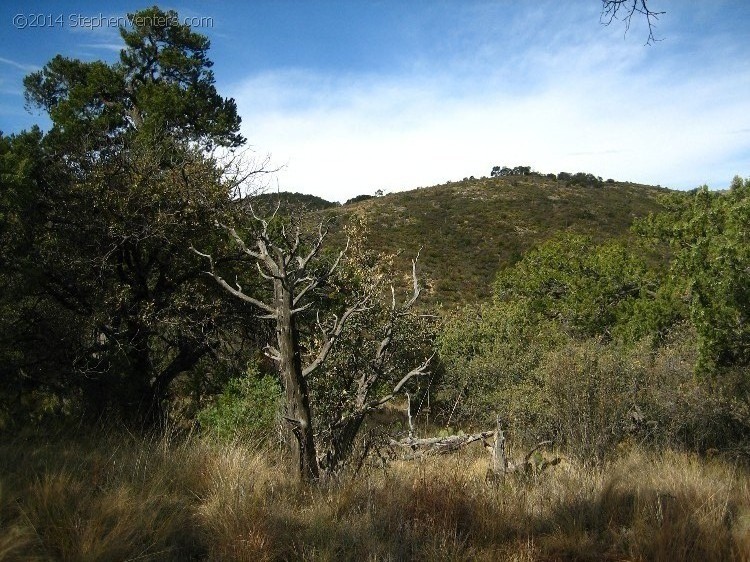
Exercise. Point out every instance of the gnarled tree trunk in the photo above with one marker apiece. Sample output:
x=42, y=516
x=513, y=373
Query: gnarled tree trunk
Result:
x=297, y=401
x=281, y=261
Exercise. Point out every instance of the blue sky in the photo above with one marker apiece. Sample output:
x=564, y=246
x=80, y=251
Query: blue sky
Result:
x=353, y=96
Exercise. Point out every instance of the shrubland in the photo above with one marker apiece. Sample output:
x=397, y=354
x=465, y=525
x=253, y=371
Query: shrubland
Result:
x=593, y=344
x=175, y=354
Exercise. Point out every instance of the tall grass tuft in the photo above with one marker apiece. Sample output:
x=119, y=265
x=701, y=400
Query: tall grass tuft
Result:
x=119, y=497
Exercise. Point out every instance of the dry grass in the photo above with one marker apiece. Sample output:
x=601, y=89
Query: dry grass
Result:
x=121, y=498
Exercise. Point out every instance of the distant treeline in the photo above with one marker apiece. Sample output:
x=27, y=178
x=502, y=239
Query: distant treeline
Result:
x=578, y=178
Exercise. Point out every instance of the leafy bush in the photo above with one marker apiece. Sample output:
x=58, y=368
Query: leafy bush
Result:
x=590, y=289
x=595, y=345
x=711, y=265
x=694, y=411
x=489, y=353
x=598, y=396
x=247, y=406
x=589, y=396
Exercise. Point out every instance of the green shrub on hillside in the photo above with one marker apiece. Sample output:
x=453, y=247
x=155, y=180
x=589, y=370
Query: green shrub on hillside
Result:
x=247, y=406
x=709, y=235
x=489, y=353
x=592, y=345
x=358, y=198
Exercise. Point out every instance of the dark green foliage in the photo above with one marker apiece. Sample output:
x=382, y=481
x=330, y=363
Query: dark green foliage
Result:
x=106, y=305
x=162, y=85
x=167, y=68
x=247, y=407
x=358, y=198
x=498, y=172
x=37, y=333
x=504, y=171
x=585, y=179
x=589, y=289
x=290, y=203
x=108, y=299
x=708, y=234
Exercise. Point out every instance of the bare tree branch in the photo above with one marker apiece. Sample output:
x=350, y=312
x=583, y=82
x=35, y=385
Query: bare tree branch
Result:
x=611, y=9
x=315, y=282
x=236, y=292
x=239, y=241
x=272, y=353
x=415, y=283
x=302, y=262
x=538, y=446
x=242, y=296
x=332, y=336
x=301, y=308
x=380, y=354
x=264, y=275
x=441, y=445
x=416, y=372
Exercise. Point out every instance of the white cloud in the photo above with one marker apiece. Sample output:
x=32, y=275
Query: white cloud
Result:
x=116, y=47
x=18, y=65
x=596, y=106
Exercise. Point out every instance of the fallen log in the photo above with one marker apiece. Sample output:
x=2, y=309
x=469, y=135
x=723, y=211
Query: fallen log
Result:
x=440, y=445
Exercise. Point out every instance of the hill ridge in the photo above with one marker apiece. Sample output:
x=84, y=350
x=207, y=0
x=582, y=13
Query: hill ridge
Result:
x=469, y=229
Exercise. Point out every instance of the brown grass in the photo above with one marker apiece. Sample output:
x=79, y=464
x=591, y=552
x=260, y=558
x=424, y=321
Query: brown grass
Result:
x=123, y=498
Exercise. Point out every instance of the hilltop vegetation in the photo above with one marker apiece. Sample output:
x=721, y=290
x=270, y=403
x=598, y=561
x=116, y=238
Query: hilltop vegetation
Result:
x=468, y=230
x=289, y=202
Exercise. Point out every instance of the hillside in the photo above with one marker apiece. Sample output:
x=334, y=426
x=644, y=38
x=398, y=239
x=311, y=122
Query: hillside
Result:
x=267, y=202
x=468, y=230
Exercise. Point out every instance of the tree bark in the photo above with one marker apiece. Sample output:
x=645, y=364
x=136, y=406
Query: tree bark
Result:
x=297, y=400
x=342, y=441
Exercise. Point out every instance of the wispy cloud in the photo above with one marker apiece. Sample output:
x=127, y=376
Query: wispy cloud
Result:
x=594, y=152
x=456, y=90
x=18, y=65
x=583, y=105
x=116, y=47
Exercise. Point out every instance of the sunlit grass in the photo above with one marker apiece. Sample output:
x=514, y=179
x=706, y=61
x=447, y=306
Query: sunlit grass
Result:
x=118, y=497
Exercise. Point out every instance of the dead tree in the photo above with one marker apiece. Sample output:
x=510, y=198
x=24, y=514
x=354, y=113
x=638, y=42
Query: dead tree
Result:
x=286, y=263
x=625, y=10
x=440, y=445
